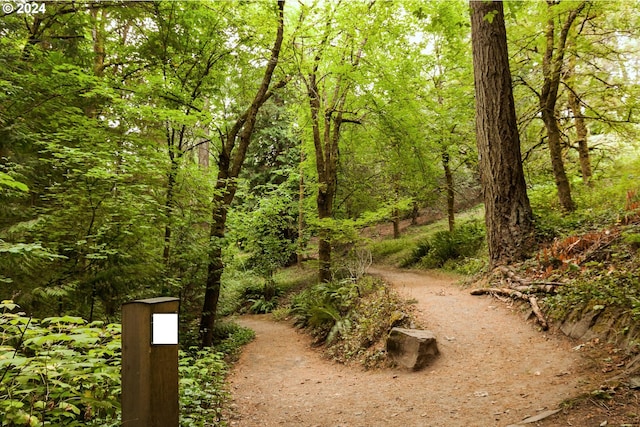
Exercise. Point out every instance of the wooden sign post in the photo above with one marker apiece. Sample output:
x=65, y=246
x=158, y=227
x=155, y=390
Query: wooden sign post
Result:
x=150, y=363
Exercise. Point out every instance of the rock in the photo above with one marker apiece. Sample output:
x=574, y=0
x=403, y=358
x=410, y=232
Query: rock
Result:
x=411, y=348
x=577, y=326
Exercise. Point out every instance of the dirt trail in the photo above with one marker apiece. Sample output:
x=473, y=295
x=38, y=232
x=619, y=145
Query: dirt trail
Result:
x=494, y=370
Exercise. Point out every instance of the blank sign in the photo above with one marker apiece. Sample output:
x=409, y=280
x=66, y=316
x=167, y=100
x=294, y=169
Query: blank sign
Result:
x=164, y=328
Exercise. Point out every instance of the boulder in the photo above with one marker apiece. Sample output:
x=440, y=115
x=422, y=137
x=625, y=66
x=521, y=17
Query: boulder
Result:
x=411, y=348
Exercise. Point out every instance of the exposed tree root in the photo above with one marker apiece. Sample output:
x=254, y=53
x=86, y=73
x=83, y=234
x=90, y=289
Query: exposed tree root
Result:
x=521, y=289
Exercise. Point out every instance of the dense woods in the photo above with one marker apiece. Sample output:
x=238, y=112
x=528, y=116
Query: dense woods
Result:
x=195, y=148
x=171, y=148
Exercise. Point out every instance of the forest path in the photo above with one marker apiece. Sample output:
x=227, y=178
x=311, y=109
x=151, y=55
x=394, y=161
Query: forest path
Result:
x=494, y=369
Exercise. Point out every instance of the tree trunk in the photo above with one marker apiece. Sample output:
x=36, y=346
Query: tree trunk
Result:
x=324, y=201
x=215, y=267
x=396, y=223
x=508, y=215
x=415, y=213
x=552, y=65
x=230, y=161
x=581, y=127
x=203, y=155
x=300, y=214
x=448, y=177
x=557, y=163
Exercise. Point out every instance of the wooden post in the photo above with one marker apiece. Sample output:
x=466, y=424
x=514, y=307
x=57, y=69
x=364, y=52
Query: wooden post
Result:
x=150, y=363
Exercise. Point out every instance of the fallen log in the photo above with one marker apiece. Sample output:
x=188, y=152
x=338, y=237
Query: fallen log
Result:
x=533, y=302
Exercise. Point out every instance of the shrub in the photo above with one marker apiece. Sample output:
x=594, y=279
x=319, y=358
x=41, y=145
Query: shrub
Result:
x=463, y=242
x=61, y=371
x=202, y=387
x=420, y=251
x=58, y=371
x=337, y=310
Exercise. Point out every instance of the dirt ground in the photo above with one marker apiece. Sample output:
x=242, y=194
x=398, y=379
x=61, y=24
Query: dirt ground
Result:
x=495, y=369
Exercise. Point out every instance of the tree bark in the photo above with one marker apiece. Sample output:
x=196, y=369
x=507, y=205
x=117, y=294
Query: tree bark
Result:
x=230, y=162
x=508, y=215
x=578, y=120
x=327, y=117
x=300, y=213
x=552, y=65
x=415, y=213
x=396, y=223
x=448, y=177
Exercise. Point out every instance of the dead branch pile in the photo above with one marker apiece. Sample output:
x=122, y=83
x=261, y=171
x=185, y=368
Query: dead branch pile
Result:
x=514, y=286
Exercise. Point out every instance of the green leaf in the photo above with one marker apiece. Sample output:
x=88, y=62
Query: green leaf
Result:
x=8, y=181
x=490, y=16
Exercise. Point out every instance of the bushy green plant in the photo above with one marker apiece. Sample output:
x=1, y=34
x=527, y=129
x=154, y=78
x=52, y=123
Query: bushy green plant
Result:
x=324, y=307
x=421, y=250
x=58, y=371
x=229, y=337
x=372, y=317
x=202, y=387
x=463, y=242
x=63, y=371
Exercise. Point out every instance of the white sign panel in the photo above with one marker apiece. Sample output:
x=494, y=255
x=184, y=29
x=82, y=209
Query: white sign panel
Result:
x=164, y=328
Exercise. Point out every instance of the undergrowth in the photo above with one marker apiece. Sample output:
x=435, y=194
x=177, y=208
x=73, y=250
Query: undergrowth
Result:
x=350, y=318
x=64, y=371
x=443, y=247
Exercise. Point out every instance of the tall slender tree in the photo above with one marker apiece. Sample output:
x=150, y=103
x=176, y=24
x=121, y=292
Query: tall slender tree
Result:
x=552, y=67
x=230, y=160
x=508, y=215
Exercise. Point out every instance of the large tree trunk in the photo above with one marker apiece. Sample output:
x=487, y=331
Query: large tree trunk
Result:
x=230, y=161
x=508, y=215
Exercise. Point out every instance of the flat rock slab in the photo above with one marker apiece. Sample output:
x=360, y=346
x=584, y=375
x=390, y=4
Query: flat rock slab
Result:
x=411, y=348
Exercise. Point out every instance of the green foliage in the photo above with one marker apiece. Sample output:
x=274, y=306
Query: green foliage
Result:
x=326, y=308
x=323, y=308
x=58, y=371
x=64, y=371
x=7, y=180
x=372, y=317
x=229, y=337
x=203, y=392
x=463, y=242
x=350, y=318
x=633, y=240
x=384, y=248
x=604, y=203
x=268, y=232
x=617, y=289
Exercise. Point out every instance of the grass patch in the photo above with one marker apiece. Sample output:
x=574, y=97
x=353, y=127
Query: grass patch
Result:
x=411, y=247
